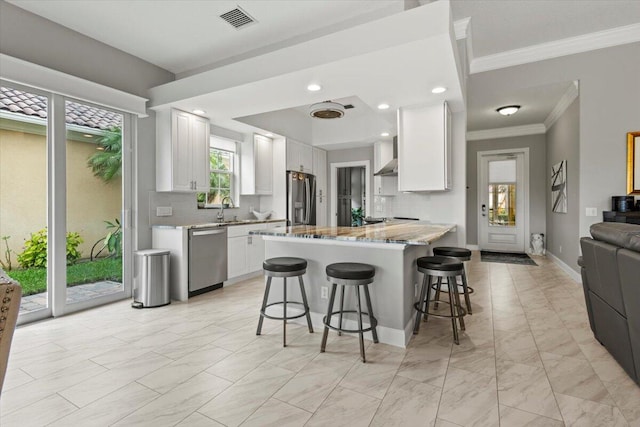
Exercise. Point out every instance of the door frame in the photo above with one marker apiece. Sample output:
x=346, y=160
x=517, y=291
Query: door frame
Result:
x=334, y=186
x=525, y=189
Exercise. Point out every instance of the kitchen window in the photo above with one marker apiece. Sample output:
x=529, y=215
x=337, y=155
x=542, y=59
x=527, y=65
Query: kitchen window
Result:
x=222, y=160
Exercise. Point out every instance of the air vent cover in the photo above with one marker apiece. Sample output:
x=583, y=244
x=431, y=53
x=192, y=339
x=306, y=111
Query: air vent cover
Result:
x=238, y=18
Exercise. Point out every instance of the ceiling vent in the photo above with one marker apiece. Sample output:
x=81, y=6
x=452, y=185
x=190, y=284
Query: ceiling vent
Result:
x=238, y=18
x=327, y=110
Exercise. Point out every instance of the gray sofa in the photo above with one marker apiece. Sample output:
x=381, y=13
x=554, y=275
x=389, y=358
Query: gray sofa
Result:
x=610, y=266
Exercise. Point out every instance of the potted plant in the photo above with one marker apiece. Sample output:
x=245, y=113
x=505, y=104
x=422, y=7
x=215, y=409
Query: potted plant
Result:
x=356, y=217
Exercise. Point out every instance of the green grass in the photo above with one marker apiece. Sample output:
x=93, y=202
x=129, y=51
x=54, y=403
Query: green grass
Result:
x=34, y=280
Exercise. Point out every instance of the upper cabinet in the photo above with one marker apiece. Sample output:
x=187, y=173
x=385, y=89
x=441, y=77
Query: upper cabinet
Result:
x=256, y=167
x=424, y=148
x=182, y=152
x=383, y=154
x=299, y=156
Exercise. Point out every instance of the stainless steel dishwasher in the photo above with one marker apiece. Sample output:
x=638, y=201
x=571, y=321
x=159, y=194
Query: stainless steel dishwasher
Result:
x=207, y=259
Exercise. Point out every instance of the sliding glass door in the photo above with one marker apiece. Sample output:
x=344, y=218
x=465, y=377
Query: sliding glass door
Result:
x=72, y=163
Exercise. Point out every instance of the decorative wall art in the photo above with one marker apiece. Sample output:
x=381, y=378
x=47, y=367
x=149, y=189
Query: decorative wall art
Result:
x=633, y=162
x=559, y=187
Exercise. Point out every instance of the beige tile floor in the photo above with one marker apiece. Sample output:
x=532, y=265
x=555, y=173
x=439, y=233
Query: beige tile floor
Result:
x=527, y=358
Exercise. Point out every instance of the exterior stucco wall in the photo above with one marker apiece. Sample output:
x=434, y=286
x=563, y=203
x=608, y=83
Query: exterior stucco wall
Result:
x=23, y=191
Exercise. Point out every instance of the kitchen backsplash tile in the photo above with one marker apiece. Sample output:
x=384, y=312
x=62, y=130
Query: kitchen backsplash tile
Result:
x=413, y=205
x=185, y=209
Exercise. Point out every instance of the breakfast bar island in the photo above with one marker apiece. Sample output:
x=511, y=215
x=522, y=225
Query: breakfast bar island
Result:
x=391, y=247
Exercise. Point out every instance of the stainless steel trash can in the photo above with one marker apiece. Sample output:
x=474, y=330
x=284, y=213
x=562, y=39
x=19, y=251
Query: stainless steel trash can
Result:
x=151, y=278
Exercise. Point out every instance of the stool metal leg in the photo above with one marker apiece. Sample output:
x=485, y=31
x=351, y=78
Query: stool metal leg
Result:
x=341, y=308
x=361, y=334
x=325, y=334
x=456, y=295
x=371, y=316
x=421, y=303
x=305, y=303
x=437, y=297
x=264, y=305
x=465, y=287
x=284, y=321
x=452, y=308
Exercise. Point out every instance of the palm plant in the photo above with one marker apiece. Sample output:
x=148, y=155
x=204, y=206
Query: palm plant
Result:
x=106, y=164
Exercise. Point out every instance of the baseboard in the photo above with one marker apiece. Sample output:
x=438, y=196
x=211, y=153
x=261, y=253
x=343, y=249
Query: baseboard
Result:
x=473, y=247
x=244, y=277
x=570, y=271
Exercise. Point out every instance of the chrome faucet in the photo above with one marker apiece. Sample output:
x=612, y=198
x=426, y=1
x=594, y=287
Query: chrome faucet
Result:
x=220, y=215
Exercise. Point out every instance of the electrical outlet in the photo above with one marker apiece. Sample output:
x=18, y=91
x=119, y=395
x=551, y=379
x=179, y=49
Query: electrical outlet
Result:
x=415, y=285
x=324, y=292
x=164, y=211
x=591, y=211
x=560, y=249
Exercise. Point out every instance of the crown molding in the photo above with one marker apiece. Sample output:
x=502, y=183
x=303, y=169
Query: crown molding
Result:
x=569, y=96
x=557, y=48
x=461, y=28
x=477, y=135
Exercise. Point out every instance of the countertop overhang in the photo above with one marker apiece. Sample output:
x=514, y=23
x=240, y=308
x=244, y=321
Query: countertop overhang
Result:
x=221, y=224
x=398, y=232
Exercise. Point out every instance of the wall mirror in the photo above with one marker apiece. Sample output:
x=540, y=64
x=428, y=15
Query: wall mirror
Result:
x=633, y=162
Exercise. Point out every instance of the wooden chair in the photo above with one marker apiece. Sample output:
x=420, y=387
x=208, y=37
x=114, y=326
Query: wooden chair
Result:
x=10, y=295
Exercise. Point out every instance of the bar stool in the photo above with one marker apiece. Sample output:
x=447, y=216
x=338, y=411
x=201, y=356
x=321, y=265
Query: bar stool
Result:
x=461, y=254
x=284, y=267
x=440, y=267
x=350, y=274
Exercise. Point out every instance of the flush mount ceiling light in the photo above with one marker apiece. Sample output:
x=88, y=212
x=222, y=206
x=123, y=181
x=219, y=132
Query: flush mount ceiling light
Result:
x=268, y=135
x=438, y=89
x=508, y=110
x=198, y=111
x=383, y=106
x=314, y=87
x=326, y=110
x=384, y=134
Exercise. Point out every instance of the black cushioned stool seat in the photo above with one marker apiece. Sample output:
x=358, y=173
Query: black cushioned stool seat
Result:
x=355, y=275
x=284, y=264
x=284, y=267
x=461, y=254
x=440, y=267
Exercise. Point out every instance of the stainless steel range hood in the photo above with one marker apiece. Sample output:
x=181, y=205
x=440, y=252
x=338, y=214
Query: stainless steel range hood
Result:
x=391, y=168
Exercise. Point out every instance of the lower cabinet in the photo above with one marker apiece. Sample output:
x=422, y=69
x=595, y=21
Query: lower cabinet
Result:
x=245, y=251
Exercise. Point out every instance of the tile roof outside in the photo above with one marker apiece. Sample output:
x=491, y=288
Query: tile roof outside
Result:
x=29, y=104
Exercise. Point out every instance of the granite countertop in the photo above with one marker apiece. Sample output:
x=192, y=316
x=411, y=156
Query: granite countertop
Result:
x=221, y=224
x=408, y=233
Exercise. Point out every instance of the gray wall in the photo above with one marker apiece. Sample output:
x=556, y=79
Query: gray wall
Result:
x=40, y=41
x=609, y=93
x=537, y=180
x=563, y=143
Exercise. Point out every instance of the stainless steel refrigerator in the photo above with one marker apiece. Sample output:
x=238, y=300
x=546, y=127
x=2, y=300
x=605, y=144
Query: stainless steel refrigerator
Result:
x=301, y=198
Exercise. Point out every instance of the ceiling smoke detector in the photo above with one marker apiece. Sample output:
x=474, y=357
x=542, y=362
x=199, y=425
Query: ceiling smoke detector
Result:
x=326, y=110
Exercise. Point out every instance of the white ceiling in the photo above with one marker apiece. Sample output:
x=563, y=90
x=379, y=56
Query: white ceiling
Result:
x=188, y=38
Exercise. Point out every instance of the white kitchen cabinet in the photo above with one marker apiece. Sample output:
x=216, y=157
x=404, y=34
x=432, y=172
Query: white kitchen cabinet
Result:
x=382, y=154
x=299, y=156
x=256, y=167
x=245, y=251
x=182, y=152
x=320, y=172
x=424, y=148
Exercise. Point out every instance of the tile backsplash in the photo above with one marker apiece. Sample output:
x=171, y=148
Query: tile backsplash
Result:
x=413, y=205
x=184, y=209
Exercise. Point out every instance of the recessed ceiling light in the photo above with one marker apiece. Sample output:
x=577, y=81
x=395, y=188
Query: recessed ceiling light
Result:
x=314, y=87
x=383, y=106
x=438, y=89
x=268, y=135
x=384, y=134
x=508, y=110
x=86, y=135
x=199, y=111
